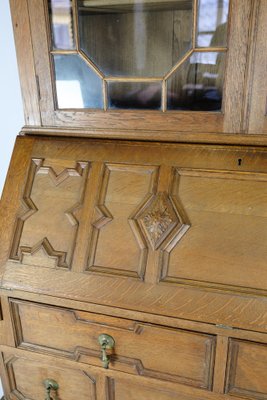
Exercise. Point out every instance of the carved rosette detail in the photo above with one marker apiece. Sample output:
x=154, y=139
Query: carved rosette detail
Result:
x=158, y=219
x=157, y=223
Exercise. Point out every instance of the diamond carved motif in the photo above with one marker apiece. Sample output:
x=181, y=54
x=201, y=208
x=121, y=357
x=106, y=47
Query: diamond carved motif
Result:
x=158, y=219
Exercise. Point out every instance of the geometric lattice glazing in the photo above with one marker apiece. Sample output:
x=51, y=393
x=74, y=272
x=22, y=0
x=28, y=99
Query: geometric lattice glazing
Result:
x=163, y=55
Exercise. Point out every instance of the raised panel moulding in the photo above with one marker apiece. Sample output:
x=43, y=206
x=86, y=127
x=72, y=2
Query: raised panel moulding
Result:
x=47, y=224
x=122, y=190
x=158, y=219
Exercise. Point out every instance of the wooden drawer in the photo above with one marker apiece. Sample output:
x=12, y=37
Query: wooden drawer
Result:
x=24, y=373
x=24, y=379
x=140, y=348
x=247, y=369
x=125, y=389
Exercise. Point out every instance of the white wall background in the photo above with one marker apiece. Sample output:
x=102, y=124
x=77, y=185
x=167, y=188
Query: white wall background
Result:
x=11, y=111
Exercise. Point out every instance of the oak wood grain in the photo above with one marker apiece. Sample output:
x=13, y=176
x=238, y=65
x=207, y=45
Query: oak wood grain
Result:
x=174, y=135
x=25, y=57
x=36, y=8
x=230, y=121
x=189, y=357
x=227, y=182
x=210, y=306
x=234, y=85
x=26, y=379
x=19, y=166
x=162, y=245
x=118, y=312
x=220, y=364
x=246, y=370
x=257, y=101
x=169, y=389
x=6, y=328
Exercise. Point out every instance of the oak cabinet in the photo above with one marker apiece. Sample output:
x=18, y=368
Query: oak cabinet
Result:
x=147, y=69
x=155, y=224
x=133, y=221
x=151, y=245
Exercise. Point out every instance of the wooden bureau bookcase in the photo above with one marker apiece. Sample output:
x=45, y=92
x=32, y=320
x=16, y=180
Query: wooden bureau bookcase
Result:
x=133, y=235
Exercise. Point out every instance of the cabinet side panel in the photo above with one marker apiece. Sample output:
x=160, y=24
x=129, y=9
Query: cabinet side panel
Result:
x=12, y=193
x=239, y=30
x=257, y=120
x=37, y=17
x=23, y=41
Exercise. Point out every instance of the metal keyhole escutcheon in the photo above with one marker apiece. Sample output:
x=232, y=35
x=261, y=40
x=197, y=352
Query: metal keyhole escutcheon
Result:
x=106, y=342
x=50, y=384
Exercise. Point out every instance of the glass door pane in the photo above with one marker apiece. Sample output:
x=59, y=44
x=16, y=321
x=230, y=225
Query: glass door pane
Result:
x=139, y=54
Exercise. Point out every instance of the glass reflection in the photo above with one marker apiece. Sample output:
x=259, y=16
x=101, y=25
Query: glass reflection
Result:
x=62, y=24
x=135, y=38
x=134, y=95
x=77, y=84
x=197, y=85
x=212, y=23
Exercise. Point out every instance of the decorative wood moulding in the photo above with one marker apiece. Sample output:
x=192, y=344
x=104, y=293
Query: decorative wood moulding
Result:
x=117, y=202
x=115, y=390
x=47, y=225
x=246, y=369
x=173, y=221
x=69, y=380
x=12, y=379
x=160, y=136
x=152, y=216
x=158, y=219
x=217, y=202
x=80, y=344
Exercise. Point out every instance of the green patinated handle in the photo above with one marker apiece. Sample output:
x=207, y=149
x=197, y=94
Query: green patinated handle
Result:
x=106, y=342
x=50, y=384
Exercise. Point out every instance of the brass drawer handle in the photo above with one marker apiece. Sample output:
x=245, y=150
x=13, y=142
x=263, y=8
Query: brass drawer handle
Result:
x=106, y=342
x=50, y=384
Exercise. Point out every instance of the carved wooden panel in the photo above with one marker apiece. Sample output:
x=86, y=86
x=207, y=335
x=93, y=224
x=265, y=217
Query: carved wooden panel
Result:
x=160, y=219
x=188, y=356
x=187, y=237
x=226, y=244
x=247, y=369
x=133, y=217
x=122, y=389
x=47, y=224
x=118, y=245
x=26, y=380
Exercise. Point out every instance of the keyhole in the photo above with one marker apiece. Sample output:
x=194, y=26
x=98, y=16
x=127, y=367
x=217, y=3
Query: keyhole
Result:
x=239, y=161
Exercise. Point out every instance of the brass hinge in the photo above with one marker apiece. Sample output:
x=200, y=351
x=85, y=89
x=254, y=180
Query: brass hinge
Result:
x=221, y=326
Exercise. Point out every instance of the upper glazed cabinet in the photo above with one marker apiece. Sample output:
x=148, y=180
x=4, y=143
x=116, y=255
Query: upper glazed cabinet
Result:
x=150, y=65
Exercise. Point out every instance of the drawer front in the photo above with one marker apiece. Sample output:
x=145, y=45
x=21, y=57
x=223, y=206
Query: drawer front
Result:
x=140, y=348
x=24, y=375
x=25, y=379
x=247, y=369
x=122, y=389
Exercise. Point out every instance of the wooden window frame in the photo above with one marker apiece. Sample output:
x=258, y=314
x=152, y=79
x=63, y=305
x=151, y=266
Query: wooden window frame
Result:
x=33, y=44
